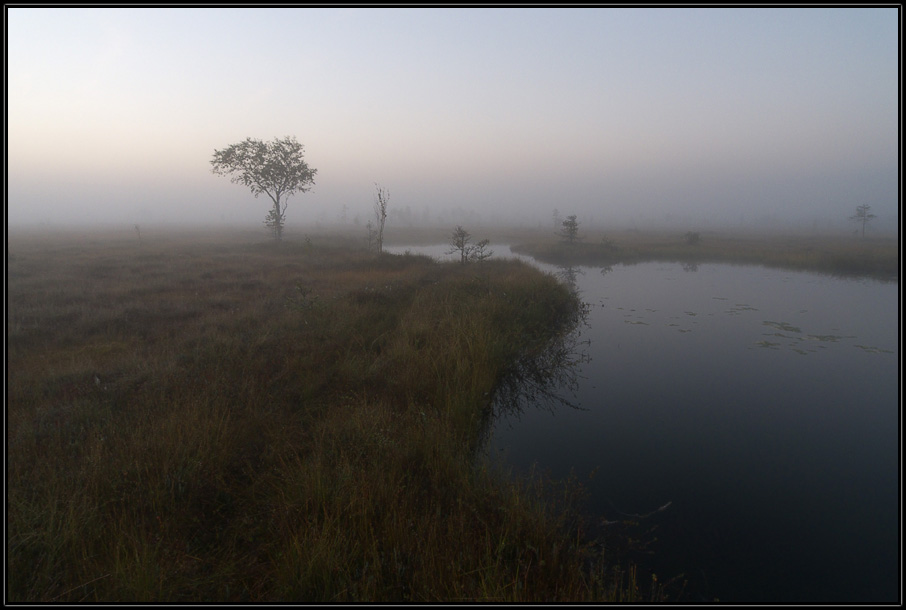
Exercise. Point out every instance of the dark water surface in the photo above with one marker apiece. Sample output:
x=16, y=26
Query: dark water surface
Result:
x=759, y=407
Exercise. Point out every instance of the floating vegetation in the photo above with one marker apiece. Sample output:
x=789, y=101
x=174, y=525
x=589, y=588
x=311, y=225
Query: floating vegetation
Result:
x=829, y=338
x=739, y=308
x=767, y=344
x=720, y=298
x=690, y=313
x=800, y=351
x=782, y=336
x=636, y=322
x=874, y=350
x=783, y=326
x=685, y=330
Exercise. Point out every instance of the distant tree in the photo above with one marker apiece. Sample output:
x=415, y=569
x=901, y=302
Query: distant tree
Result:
x=460, y=242
x=275, y=168
x=381, y=201
x=570, y=230
x=693, y=238
x=479, y=252
x=863, y=214
x=558, y=220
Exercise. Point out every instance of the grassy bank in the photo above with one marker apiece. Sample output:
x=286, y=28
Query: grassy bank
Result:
x=203, y=419
x=844, y=256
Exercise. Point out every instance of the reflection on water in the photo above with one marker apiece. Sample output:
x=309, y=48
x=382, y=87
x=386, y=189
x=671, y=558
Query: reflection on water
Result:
x=548, y=379
x=781, y=470
x=762, y=404
x=570, y=276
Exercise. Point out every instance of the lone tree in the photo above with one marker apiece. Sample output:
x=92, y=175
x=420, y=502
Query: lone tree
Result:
x=863, y=214
x=570, y=230
x=274, y=168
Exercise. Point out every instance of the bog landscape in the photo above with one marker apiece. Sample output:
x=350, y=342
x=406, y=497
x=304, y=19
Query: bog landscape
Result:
x=453, y=305
x=203, y=415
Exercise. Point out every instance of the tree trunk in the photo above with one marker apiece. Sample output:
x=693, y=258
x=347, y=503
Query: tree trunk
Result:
x=278, y=221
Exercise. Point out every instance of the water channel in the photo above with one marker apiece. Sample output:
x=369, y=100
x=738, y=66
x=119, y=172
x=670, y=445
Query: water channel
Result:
x=746, y=418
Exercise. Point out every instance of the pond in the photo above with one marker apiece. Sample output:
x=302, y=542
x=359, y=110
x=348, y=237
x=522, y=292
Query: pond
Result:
x=745, y=418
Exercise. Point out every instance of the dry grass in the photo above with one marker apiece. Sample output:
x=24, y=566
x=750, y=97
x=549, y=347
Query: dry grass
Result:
x=213, y=418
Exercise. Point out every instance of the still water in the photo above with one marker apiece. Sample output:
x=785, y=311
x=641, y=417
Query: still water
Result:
x=746, y=418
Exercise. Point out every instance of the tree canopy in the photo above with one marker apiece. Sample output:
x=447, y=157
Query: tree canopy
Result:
x=276, y=168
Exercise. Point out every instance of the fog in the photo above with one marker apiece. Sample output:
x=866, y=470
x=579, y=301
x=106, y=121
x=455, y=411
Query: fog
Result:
x=769, y=118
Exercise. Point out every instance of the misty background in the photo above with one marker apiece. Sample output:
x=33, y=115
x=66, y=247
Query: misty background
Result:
x=777, y=118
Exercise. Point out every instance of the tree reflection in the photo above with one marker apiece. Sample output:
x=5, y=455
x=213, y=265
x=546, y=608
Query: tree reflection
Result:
x=570, y=275
x=547, y=379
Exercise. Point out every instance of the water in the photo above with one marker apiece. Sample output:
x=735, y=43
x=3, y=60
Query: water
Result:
x=758, y=407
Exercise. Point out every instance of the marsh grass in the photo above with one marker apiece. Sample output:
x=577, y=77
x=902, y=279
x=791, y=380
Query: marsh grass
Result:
x=198, y=418
x=877, y=258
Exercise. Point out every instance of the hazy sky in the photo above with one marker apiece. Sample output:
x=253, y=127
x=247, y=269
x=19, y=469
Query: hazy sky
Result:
x=614, y=114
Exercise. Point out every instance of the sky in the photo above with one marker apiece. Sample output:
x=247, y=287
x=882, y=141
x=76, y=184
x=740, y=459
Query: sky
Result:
x=696, y=117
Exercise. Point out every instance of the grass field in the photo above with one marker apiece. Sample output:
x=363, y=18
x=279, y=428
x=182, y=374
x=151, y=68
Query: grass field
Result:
x=212, y=417
x=208, y=416
x=876, y=258
x=840, y=255
x=843, y=256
